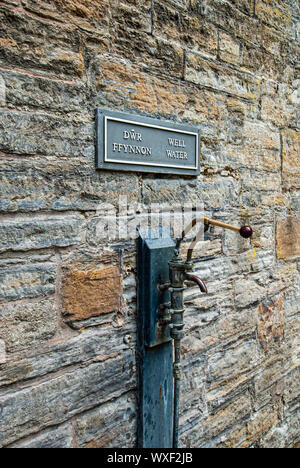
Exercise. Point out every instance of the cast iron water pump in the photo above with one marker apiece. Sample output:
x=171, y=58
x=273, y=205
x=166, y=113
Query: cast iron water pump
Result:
x=163, y=274
x=179, y=274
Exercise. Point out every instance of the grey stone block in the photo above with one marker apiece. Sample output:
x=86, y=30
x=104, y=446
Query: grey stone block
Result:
x=41, y=233
x=58, y=437
x=27, y=281
x=49, y=403
x=24, y=325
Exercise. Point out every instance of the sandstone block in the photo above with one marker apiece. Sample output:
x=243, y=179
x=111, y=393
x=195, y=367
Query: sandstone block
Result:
x=229, y=415
x=132, y=40
x=220, y=192
x=232, y=19
x=234, y=361
x=52, y=48
x=98, y=344
x=273, y=14
x=261, y=423
x=290, y=158
x=229, y=49
x=182, y=27
x=259, y=149
x=213, y=75
x=291, y=389
x=258, y=62
x=279, y=104
x=288, y=237
x=89, y=15
x=244, y=5
x=25, y=91
x=91, y=293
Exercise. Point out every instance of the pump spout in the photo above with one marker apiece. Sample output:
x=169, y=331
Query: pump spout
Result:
x=198, y=281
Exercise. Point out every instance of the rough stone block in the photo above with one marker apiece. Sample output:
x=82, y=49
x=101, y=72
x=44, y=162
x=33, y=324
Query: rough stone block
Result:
x=293, y=427
x=61, y=185
x=246, y=6
x=236, y=361
x=271, y=322
x=275, y=15
x=291, y=389
x=229, y=49
x=213, y=75
x=91, y=293
x=259, y=149
x=186, y=29
x=132, y=39
x=120, y=82
x=288, y=237
x=26, y=91
x=247, y=292
x=97, y=344
x=58, y=437
x=204, y=248
x=260, y=423
x=220, y=192
x=29, y=410
x=40, y=233
x=227, y=416
x=279, y=104
x=27, y=42
x=29, y=324
x=27, y=281
x=89, y=15
x=268, y=383
x=2, y=352
x=273, y=66
x=2, y=92
x=231, y=18
x=276, y=438
x=34, y=133
x=110, y=425
x=290, y=158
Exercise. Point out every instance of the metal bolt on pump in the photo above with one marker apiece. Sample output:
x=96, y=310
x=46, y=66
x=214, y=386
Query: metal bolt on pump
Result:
x=178, y=272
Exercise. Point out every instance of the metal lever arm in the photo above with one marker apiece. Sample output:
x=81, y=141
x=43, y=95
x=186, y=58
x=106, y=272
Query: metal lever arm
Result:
x=244, y=231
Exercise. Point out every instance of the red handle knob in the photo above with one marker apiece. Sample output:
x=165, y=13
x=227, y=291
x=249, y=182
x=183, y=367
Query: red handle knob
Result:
x=246, y=232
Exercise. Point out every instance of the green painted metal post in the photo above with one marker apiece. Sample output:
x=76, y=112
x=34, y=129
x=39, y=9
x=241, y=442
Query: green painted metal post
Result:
x=155, y=347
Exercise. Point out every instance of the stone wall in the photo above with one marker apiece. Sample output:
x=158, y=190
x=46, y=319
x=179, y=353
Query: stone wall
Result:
x=68, y=297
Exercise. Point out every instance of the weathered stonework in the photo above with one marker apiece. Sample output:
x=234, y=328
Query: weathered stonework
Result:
x=288, y=237
x=2, y=92
x=271, y=319
x=68, y=287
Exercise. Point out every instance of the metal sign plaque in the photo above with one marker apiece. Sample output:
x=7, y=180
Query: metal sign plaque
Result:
x=134, y=143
